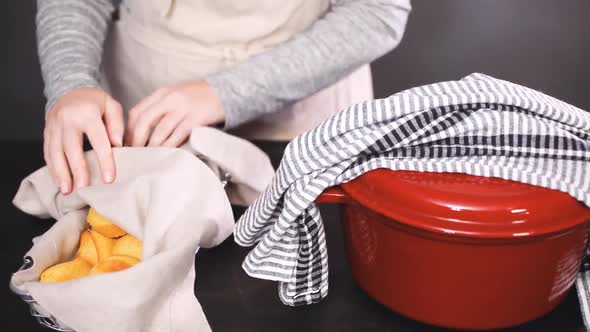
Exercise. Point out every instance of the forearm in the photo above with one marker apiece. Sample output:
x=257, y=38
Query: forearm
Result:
x=70, y=37
x=352, y=33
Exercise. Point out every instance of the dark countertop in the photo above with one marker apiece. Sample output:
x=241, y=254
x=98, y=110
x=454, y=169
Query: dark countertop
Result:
x=232, y=301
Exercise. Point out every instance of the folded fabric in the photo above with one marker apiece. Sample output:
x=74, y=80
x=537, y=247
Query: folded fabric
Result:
x=169, y=199
x=247, y=170
x=478, y=125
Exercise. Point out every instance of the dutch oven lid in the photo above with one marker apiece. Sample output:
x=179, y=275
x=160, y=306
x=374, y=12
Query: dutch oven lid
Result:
x=466, y=205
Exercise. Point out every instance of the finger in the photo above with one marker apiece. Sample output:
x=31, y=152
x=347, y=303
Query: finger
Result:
x=178, y=137
x=46, y=138
x=58, y=163
x=147, y=121
x=150, y=100
x=113, y=119
x=72, y=143
x=46, y=155
x=137, y=110
x=99, y=139
x=165, y=127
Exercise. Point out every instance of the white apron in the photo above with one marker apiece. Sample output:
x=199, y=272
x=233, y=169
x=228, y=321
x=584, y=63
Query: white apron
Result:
x=163, y=42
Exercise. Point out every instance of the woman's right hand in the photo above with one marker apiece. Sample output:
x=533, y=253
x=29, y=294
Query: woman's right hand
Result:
x=83, y=111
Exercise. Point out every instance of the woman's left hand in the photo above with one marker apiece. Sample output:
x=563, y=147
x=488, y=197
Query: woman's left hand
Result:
x=166, y=117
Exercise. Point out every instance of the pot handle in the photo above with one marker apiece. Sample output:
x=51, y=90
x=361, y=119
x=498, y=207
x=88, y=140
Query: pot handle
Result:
x=333, y=195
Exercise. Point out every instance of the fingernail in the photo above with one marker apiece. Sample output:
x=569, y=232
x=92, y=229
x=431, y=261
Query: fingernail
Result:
x=64, y=187
x=119, y=140
x=108, y=177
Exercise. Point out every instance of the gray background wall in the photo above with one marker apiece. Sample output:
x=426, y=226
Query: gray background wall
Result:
x=544, y=44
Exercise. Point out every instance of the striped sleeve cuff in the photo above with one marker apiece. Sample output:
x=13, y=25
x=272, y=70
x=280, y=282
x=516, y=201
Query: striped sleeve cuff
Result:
x=225, y=86
x=66, y=85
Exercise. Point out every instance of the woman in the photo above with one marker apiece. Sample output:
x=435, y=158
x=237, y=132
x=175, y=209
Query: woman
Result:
x=262, y=69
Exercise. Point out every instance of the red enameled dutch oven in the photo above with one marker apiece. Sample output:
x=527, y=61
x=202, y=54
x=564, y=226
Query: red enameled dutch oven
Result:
x=461, y=251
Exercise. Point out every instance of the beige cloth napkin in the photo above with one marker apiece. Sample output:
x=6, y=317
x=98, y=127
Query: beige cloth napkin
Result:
x=169, y=199
x=250, y=169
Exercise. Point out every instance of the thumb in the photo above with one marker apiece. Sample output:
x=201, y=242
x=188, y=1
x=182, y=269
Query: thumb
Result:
x=113, y=119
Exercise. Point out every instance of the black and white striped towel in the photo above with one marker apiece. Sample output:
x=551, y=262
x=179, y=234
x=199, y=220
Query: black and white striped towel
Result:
x=478, y=125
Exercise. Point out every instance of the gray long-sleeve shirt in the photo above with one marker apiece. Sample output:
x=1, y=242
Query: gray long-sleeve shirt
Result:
x=71, y=33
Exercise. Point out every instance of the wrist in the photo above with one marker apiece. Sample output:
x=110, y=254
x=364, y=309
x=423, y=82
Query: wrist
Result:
x=217, y=110
x=226, y=96
x=54, y=95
